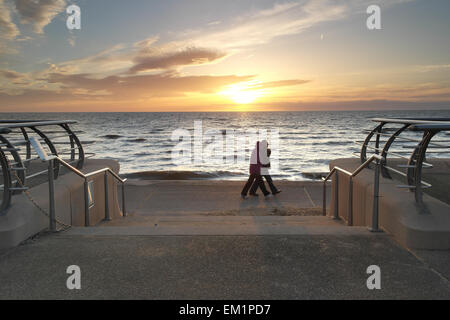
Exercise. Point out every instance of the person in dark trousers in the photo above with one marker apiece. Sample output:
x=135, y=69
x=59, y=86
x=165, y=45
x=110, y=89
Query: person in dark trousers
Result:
x=266, y=176
x=255, y=169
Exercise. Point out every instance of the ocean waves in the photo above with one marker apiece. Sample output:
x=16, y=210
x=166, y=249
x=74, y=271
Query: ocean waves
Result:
x=142, y=142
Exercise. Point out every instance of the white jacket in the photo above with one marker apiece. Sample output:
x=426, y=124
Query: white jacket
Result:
x=263, y=158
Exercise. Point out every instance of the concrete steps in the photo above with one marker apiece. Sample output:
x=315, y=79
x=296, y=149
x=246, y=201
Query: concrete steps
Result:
x=214, y=208
x=220, y=226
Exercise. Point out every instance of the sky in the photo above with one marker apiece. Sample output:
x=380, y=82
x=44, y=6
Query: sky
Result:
x=228, y=55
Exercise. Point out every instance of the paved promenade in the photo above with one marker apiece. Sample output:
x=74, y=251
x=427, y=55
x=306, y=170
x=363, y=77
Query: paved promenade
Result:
x=198, y=251
x=167, y=198
x=217, y=267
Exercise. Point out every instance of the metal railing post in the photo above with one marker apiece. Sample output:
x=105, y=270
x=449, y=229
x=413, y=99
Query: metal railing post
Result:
x=18, y=167
x=86, y=203
x=324, y=201
x=107, y=216
x=124, y=213
x=336, y=196
x=350, y=202
x=376, y=189
x=51, y=196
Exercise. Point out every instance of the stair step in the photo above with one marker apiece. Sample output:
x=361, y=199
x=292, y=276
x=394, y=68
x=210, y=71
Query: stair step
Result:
x=220, y=226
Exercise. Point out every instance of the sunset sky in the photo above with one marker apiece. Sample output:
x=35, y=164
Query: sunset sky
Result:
x=228, y=55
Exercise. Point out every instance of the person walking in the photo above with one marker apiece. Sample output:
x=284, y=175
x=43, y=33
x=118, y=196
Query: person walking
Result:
x=257, y=159
x=265, y=173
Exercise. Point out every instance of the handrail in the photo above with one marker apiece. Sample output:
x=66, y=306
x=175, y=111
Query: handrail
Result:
x=105, y=171
x=6, y=193
x=434, y=126
x=406, y=139
x=18, y=161
x=413, y=120
x=351, y=175
x=416, y=160
x=11, y=124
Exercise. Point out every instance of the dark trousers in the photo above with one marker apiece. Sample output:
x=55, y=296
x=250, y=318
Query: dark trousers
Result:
x=269, y=181
x=254, y=179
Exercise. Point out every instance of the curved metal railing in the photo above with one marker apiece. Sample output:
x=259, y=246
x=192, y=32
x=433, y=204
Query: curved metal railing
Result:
x=414, y=138
x=18, y=163
x=404, y=134
x=5, y=193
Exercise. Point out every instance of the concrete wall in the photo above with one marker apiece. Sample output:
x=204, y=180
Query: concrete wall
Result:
x=398, y=213
x=23, y=219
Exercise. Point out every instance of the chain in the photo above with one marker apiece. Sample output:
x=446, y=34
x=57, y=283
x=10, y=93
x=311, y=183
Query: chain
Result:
x=43, y=211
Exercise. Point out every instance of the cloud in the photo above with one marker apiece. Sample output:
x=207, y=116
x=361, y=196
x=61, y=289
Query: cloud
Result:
x=145, y=69
x=281, y=19
x=146, y=43
x=276, y=9
x=6, y=49
x=207, y=45
x=8, y=30
x=66, y=89
x=188, y=56
x=264, y=25
x=431, y=68
x=165, y=84
x=281, y=83
x=39, y=13
x=358, y=104
x=11, y=75
x=14, y=83
x=140, y=57
x=113, y=60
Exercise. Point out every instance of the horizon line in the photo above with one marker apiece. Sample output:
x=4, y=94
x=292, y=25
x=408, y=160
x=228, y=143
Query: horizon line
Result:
x=231, y=111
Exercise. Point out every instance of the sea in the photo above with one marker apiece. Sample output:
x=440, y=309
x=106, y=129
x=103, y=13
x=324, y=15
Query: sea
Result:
x=217, y=145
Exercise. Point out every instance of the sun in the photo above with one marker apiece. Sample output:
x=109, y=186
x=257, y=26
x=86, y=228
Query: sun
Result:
x=244, y=97
x=242, y=93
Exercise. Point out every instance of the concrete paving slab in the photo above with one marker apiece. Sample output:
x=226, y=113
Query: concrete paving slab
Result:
x=214, y=197
x=216, y=225
x=230, y=267
x=439, y=260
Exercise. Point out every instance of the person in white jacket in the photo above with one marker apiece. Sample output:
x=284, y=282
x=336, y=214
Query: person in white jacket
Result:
x=265, y=173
